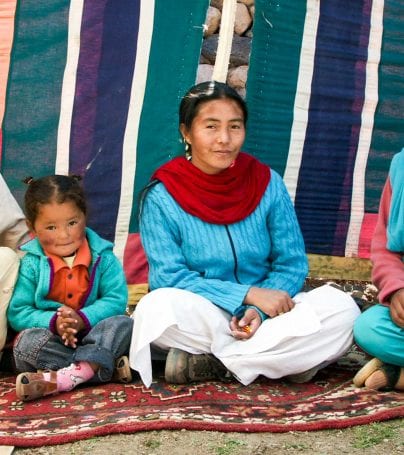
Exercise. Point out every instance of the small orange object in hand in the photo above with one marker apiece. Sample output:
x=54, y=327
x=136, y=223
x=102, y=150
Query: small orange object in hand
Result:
x=246, y=329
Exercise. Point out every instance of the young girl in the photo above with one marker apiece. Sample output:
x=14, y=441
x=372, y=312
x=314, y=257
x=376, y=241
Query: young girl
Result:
x=379, y=331
x=70, y=297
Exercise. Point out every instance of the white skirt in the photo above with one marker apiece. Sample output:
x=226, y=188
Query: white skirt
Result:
x=317, y=331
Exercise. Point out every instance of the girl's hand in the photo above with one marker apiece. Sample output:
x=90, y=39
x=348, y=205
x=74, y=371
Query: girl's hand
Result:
x=66, y=331
x=245, y=328
x=271, y=301
x=69, y=338
x=397, y=307
x=68, y=324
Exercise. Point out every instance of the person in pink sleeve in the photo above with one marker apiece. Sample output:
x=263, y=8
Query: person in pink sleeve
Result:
x=379, y=331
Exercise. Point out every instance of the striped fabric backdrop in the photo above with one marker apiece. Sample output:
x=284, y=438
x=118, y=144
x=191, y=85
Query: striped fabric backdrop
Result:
x=326, y=91
x=92, y=87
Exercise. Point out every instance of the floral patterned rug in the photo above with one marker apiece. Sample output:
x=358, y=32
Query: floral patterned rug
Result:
x=329, y=401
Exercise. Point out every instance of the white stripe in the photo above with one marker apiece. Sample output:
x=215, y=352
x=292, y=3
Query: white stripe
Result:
x=225, y=41
x=132, y=124
x=69, y=86
x=302, y=99
x=365, y=135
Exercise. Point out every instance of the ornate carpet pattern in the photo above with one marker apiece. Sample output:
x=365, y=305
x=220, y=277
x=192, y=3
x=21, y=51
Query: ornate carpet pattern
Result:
x=330, y=401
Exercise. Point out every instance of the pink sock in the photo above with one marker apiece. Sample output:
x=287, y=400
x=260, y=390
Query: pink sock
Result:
x=76, y=373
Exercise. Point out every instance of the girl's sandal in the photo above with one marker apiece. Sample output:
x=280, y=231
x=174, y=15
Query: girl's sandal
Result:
x=122, y=372
x=30, y=386
x=368, y=369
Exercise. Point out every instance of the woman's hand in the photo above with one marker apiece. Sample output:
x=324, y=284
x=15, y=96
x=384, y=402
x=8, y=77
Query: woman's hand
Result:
x=397, y=307
x=68, y=324
x=270, y=301
x=245, y=327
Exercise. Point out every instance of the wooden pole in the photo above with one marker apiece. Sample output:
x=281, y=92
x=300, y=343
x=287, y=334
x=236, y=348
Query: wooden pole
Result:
x=225, y=41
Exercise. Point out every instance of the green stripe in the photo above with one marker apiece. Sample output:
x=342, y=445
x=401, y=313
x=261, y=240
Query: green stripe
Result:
x=173, y=62
x=388, y=131
x=272, y=79
x=33, y=93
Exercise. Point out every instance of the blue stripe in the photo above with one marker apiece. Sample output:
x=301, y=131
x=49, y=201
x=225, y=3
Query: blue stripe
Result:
x=85, y=97
x=102, y=178
x=323, y=197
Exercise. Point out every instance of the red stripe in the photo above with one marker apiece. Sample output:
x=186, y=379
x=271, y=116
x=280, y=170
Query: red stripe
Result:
x=7, y=12
x=134, y=261
x=365, y=238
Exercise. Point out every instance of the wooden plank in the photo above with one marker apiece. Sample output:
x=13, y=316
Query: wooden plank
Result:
x=136, y=292
x=342, y=268
x=225, y=41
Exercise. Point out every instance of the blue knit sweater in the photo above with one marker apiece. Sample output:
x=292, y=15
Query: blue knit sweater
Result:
x=222, y=262
x=107, y=294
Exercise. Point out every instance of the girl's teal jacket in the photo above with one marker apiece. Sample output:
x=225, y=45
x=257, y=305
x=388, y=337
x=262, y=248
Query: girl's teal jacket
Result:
x=107, y=294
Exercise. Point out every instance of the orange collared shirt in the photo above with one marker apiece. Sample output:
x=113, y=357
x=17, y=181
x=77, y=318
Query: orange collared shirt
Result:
x=70, y=284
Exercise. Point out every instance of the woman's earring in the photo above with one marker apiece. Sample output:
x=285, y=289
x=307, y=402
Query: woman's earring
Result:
x=188, y=154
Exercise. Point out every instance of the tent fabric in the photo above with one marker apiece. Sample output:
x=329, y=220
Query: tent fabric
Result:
x=7, y=9
x=326, y=102
x=93, y=88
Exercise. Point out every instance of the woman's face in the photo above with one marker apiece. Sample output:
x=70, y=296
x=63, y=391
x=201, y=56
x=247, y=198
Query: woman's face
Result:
x=216, y=135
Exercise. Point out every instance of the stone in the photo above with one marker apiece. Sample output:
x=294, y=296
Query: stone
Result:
x=237, y=77
x=204, y=73
x=246, y=2
x=243, y=19
x=241, y=91
x=240, y=51
x=249, y=33
x=217, y=4
x=202, y=59
x=212, y=22
x=209, y=48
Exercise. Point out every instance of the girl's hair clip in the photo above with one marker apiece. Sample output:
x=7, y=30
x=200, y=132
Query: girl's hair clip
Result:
x=28, y=180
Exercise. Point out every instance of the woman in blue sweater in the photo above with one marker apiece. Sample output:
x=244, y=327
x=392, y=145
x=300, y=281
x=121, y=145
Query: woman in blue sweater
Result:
x=227, y=262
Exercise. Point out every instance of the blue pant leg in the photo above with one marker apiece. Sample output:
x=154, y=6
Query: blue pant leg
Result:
x=105, y=342
x=40, y=349
x=377, y=334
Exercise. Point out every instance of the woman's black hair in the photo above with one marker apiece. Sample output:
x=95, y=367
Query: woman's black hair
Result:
x=204, y=92
x=52, y=188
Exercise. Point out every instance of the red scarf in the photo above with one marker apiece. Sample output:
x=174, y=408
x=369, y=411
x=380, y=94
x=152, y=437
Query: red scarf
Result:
x=223, y=198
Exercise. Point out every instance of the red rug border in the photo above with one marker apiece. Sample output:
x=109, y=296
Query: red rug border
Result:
x=136, y=427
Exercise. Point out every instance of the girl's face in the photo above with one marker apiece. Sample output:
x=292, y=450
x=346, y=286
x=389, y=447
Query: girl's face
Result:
x=60, y=228
x=216, y=135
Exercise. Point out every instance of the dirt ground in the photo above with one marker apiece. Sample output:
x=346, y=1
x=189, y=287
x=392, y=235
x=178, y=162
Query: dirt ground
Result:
x=375, y=439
